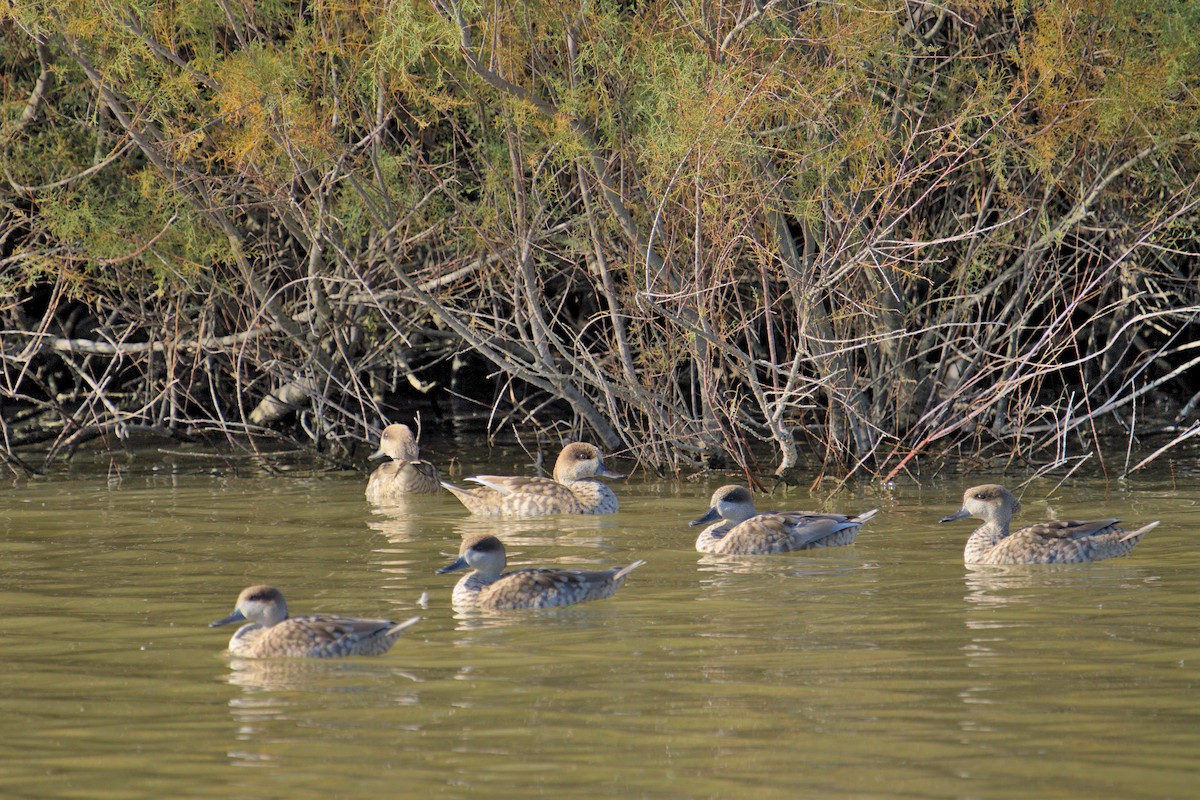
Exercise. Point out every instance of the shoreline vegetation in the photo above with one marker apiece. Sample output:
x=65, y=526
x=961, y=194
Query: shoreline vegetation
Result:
x=743, y=236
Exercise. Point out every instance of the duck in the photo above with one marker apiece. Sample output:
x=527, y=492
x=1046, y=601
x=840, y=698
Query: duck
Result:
x=488, y=587
x=1057, y=542
x=272, y=633
x=744, y=531
x=405, y=473
x=572, y=491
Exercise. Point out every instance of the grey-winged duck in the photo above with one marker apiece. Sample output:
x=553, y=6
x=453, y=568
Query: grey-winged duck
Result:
x=572, y=491
x=744, y=531
x=489, y=587
x=272, y=633
x=1058, y=542
x=405, y=473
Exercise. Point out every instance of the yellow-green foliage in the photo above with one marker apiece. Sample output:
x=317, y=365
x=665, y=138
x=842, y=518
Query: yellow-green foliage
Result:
x=910, y=154
x=841, y=100
x=1107, y=72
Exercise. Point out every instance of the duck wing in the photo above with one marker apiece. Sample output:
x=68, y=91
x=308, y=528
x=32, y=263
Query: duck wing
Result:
x=779, y=533
x=529, y=497
x=544, y=487
x=326, y=636
x=543, y=588
x=1067, y=529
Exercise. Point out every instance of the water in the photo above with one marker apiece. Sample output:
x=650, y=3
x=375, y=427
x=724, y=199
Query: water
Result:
x=885, y=669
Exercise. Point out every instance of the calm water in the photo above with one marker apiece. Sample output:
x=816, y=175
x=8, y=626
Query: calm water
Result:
x=885, y=669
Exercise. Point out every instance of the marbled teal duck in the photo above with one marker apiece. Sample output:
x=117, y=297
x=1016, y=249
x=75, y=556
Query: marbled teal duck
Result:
x=405, y=473
x=490, y=588
x=1058, y=542
x=272, y=633
x=744, y=531
x=572, y=491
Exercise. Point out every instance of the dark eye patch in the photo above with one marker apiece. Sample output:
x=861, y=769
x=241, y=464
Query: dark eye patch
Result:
x=488, y=545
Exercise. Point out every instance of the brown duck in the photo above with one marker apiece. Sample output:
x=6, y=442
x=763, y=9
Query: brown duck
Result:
x=1057, y=542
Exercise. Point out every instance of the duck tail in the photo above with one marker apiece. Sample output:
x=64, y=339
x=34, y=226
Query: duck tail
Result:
x=466, y=496
x=495, y=485
x=623, y=571
x=866, y=515
x=1134, y=535
x=397, y=629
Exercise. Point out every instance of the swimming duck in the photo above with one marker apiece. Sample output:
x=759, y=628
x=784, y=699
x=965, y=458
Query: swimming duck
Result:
x=273, y=633
x=487, y=588
x=570, y=492
x=745, y=531
x=1058, y=542
x=406, y=473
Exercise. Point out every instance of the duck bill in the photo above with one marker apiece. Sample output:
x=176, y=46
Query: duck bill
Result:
x=962, y=512
x=605, y=472
x=711, y=516
x=377, y=454
x=459, y=563
x=236, y=616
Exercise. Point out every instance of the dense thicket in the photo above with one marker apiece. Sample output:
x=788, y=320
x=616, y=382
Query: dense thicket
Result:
x=683, y=229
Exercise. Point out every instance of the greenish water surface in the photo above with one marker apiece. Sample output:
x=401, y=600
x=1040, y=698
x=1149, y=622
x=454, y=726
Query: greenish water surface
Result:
x=884, y=669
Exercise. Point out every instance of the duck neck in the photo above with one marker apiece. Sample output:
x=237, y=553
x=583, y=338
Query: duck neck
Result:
x=590, y=487
x=594, y=497
x=709, y=537
x=245, y=634
x=478, y=580
x=984, y=538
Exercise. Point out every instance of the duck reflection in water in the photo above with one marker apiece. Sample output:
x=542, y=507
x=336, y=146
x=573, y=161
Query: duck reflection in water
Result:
x=288, y=674
x=583, y=530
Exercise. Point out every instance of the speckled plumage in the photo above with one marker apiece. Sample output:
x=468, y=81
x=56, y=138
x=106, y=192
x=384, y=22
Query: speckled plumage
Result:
x=743, y=531
x=572, y=491
x=488, y=587
x=405, y=473
x=272, y=633
x=1057, y=542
